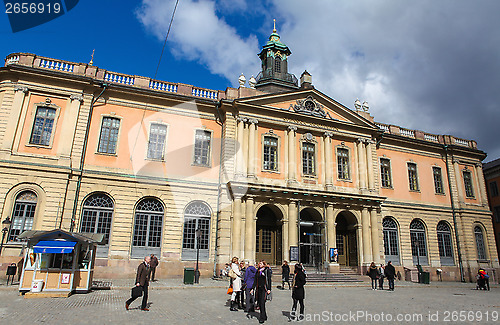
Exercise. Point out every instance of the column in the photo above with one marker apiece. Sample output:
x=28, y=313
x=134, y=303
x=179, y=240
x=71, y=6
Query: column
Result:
x=330, y=228
x=240, y=156
x=369, y=158
x=361, y=164
x=245, y=148
x=293, y=231
x=328, y=159
x=458, y=181
x=252, y=154
x=243, y=234
x=482, y=185
x=13, y=122
x=236, y=233
x=69, y=125
x=356, y=158
x=359, y=237
x=365, y=225
x=292, y=167
x=374, y=217
x=286, y=244
x=250, y=230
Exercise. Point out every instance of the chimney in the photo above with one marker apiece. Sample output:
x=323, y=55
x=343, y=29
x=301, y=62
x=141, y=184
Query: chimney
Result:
x=306, y=80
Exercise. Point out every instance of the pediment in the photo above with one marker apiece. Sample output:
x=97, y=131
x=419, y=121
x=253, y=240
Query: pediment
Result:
x=310, y=103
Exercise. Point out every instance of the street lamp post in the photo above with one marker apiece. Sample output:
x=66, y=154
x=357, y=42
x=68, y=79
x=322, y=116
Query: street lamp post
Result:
x=198, y=239
x=6, y=225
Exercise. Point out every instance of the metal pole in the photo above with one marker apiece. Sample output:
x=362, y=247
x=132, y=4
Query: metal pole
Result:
x=4, y=231
x=197, y=272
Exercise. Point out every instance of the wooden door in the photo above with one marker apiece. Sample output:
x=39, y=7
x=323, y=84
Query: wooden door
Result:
x=266, y=245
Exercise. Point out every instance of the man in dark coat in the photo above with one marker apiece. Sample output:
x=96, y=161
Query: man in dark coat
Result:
x=390, y=273
x=142, y=280
x=152, y=266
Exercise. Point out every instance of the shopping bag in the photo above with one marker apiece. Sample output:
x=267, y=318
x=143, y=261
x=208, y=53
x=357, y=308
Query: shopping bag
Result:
x=136, y=292
x=230, y=290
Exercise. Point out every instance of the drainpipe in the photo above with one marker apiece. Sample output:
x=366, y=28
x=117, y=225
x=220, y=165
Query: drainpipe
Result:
x=460, y=263
x=216, y=249
x=298, y=227
x=82, y=158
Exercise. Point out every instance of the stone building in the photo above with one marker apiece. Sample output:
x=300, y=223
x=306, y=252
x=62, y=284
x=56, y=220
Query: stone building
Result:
x=492, y=176
x=276, y=171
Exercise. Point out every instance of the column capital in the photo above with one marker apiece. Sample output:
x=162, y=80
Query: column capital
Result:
x=360, y=140
x=241, y=119
x=478, y=165
x=78, y=97
x=328, y=134
x=253, y=121
x=455, y=161
x=292, y=128
x=21, y=88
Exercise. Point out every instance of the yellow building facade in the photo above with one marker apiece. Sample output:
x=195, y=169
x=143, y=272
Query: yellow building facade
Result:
x=275, y=171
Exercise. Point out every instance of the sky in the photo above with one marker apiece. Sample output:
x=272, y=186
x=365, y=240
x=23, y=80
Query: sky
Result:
x=427, y=65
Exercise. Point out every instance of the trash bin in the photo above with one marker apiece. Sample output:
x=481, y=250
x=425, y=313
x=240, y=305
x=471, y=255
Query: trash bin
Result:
x=188, y=275
x=424, y=277
x=11, y=270
x=36, y=286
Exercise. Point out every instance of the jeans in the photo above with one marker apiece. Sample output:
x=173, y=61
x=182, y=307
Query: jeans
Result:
x=391, y=283
x=381, y=283
x=374, y=283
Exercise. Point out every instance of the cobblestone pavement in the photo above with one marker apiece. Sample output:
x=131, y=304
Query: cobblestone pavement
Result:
x=208, y=305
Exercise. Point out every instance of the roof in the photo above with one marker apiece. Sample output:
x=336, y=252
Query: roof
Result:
x=37, y=235
x=491, y=164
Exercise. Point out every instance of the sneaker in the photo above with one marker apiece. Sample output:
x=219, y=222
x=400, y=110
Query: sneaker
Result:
x=145, y=309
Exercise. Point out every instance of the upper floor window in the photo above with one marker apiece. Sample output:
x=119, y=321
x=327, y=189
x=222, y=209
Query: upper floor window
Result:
x=469, y=190
x=308, y=153
x=412, y=176
x=496, y=213
x=277, y=65
x=156, y=144
x=202, y=148
x=23, y=214
x=438, y=180
x=494, y=188
x=270, y=153
x=42, y=128
x=109, y=135
x=343, y=163
x=385, y=172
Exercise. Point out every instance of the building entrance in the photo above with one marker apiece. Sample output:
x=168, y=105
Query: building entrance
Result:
x=268, y=235
x=312, y=239
x=346, y=239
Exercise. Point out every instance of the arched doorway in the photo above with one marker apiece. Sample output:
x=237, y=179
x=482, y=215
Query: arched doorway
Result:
x=346, y=239
x=268, y=235
x=312, y=235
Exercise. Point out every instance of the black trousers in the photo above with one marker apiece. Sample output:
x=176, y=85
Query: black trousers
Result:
x=301, y=303
x=381, y=283
x=144, y=297
x=261, y=298
x=250, y=301
x=391, y=283
x=153, y=271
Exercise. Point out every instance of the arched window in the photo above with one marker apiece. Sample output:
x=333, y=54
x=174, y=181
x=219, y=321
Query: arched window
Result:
x=418, y=242
x=481, y=249
x=97, y=214
x=147, y=228
x=196, y=216
x=444, y=243
x=23, y=214
x=391, y=249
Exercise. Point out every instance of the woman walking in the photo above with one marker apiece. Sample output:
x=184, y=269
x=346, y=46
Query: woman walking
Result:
x=261, y=290
x=373, y=274
x=298, y=292
x=285, y=275
x=235, y=275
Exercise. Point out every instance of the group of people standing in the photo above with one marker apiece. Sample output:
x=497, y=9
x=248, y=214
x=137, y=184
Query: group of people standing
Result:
x=255, y=284
x=377, y=275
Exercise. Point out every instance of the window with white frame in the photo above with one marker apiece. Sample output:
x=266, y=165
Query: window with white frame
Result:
x=438, y=180
x=308, y=158
x=444, y=243
x=97, y=214
x=343, y=163
x=202, y=147
x=418, y=242
x=196, y=217
x=385, y=173
x=109, y=135
x=391, y=249
x=43, y=125
x=469, y=190
x=23, y=214
x=481, y=249
x=270, y=153
x=412, y=176
x=156, y=143
x=147, y=227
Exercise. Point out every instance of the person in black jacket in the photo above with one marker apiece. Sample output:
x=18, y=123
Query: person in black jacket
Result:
x=390, y=273
x=373, y=274
x=285, y=275
x=261, y=288
x=298, y=292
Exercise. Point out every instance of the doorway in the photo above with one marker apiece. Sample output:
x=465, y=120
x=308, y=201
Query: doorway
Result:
x=312, y=238
x=346, y=239
x=268, y=244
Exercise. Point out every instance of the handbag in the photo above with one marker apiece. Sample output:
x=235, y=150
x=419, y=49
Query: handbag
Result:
x=230, y=290
x=269, y=296
x=232, y=274
x=136, y=292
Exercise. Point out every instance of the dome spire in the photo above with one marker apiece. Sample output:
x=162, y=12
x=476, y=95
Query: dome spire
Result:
x=274, y=28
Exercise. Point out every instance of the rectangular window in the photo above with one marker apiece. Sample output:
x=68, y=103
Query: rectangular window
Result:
x=494, y=188
x=343, y=163
x=496, y=213
x=438, y=180
x=412, y=176
x=308, y=153
x=385, y=172
x=156, y=144
x=109, y=135
x=42, y=128
x=270, y=153
x=469, y=190
x=202, y=148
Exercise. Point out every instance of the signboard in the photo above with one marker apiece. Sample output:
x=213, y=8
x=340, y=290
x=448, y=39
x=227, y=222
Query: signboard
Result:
x=65, y=278
x=334, y=255
x=294, y=253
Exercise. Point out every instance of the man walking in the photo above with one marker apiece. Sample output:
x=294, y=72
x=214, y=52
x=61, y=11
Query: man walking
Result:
x=142, y=280
x=390, y=273
x=153, y=264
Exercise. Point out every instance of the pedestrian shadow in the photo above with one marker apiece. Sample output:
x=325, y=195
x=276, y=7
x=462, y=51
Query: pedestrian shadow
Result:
x=252, y=314
x=287, y=314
